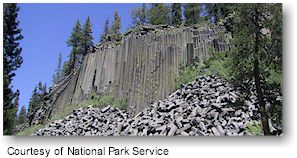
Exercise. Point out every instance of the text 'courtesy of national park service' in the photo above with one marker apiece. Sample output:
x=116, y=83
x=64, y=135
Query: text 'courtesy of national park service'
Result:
x=83, y=151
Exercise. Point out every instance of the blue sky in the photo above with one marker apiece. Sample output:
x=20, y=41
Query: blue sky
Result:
x=46, y=28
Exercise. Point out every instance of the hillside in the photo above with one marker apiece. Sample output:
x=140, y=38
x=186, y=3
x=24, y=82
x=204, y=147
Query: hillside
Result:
x=138, y=71
x=207, y=106
x=176, y=69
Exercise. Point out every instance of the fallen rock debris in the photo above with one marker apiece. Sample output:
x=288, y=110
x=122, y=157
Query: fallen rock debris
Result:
x=204, y=107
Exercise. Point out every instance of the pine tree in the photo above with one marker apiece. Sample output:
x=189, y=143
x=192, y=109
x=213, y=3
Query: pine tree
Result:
x=87, y=40
x=104, y=35
x=115, y=28
x=16, y=99
x=22, y=116
x=37, y=100
x=143, y=14
x=192, y=13
x=33, y=103
x=75, y=41
x=218, y=11
x=16, y=105
x=58, y=72
x=176, y=14
x=139, y=16
x=66, y=69
x=221, y=13
x=159, y=14
x=256, y=56
x=12, y=60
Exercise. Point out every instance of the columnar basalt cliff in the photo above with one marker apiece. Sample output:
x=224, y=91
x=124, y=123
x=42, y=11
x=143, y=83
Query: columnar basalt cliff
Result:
x=140, y=69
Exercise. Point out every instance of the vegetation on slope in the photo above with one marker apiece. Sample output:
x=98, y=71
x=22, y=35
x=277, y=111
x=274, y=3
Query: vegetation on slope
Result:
x=97, y=101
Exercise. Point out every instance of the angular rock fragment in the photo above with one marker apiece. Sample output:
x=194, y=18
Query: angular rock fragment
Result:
x=200, y=108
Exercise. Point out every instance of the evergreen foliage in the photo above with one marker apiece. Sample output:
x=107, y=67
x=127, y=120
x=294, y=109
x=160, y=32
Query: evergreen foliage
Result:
x=257, y=55
x=159, y=14
x=218, y=11
x=139, y=16
x=12, y=60
x=104, y=35
x=66, y=69
x=37, y=100
x=87, y=38
x=75, y=41
x=192, y=13
x=222, y=14
x=16, y=99
x=176, y=14
x=58, y=72
x=22, y=116
x=115, y=28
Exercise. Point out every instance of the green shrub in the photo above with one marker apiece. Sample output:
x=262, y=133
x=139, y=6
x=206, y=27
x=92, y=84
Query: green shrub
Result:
x=105, y=100
x=254, y=128
x=219, y=64
x=187, y=73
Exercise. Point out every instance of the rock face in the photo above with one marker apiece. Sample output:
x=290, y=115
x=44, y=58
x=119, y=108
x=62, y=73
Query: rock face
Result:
x=140, y=69
x=56, y=97
x=207, y=106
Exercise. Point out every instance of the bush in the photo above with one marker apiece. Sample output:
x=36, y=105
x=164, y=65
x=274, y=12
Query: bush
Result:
x=105, y=100
x=187, y=73
x=254, y=128
x=219, y=64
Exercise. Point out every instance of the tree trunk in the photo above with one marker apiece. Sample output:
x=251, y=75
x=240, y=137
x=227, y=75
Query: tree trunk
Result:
x=72, y=67
x=263, y=111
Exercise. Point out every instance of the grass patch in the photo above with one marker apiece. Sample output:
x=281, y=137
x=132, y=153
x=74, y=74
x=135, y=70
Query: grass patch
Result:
x=28, y=131
x=104, y=100
x=97, y=101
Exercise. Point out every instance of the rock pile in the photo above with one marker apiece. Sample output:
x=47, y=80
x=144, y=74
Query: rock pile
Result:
x=207, y=106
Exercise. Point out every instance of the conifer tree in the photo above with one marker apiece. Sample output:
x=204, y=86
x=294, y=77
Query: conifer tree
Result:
x=143, y=14
x=12, y=60
x=221, y=13
x=104, y=35
x=22, y=116
x=66, y=69
x=58, y=72
x=192, y=13
x=75, y=41
x=218, y=11
x=16, y=99
x=256, y=54
x=33, y=103
x=87, y=37
x=116, y=26
x=139, y=15
x=159, y=14
x=37, y=100
x=176, y=14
